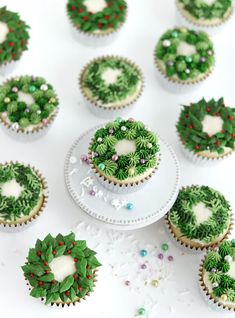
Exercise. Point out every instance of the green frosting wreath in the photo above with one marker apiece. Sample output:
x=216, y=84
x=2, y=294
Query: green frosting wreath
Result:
x=190, y=66
x=17, y=111
x=121, y=167
x=217, y=265
x=12, y=208
x=190, y=126
x=199, y=9
x=125, y=85
x=40, y=277
x=110, y=18
x=182, y=216
x=17, y=38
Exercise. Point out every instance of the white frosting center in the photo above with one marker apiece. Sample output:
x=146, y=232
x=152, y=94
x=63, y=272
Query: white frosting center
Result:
x=95, y=6
x=62, y=267
x=186, y=49
x=3, y=31
x=209, y=2
x=231, y=271
x=212, y=125
x=201, y=212
x=124, y=147
x=26, y=98
x=12, y=189
x=110, y=75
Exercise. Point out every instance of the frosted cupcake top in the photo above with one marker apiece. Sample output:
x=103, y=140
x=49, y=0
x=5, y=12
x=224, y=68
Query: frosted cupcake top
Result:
x=111, y=81
x=201, y=214
x=21, y=192
x=13, y=36
x=97, y=16
x=27, y=103
x=219, y=273
x=60, y=269
x=207, y=10
x=185, y=55
x=124, y=150
x=207, y=127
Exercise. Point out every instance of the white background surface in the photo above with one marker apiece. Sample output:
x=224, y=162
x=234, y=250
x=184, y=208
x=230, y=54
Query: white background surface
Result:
x=55, y=54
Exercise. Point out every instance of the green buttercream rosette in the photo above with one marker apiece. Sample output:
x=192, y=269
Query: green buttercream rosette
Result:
x=17, y=37
x=42, y=281
x=109, y=19
x=183, y=217
x=185, y=55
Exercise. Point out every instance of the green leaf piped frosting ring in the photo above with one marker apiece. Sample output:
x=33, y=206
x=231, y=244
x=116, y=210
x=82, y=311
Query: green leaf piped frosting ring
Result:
x=99, y=24
x=203, y=21
x=72, y=288
x=194, y=119
x=175, y=66
x=16, y=39
x=183, y=226
x=216, y=265
x=35, y=193
x=135, y=77
x=116, y=169
x=19, y=113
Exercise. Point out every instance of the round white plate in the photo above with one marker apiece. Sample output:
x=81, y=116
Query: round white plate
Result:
x=151, y=203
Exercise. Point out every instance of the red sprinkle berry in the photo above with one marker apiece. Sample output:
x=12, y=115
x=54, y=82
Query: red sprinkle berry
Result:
x=99, y=25
x=230, y=117
x=73, y=8
x=13, y=55
x=11, y=44
x=80, y=288
x=39, y=253
x=69, y=251
x=223, y=131
x=88, y=276
x=197, y=147
x=53, y=282
x=60, y=243
x=75, y=260
x=54, y=252
x=40, y=283
x=233, y=135
x=67, y=293
x=75, y=276
x=81, y=10
x=110, y=25
x=74, y=243
x=86, y=18
x=45, y=263
x=31, y=275
x=0, y=51
x=88, y=266
x=217, y=114
x=47, y=271
x=208, y=109
x=122, y=8
x=106, y=17
x=190, y=126
x=218, y=143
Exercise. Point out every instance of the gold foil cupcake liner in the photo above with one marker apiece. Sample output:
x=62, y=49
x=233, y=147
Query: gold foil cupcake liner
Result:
x=70, y=303
x=192, y=248
x=95, y=39
x=111, y=111
x=215, y=304
x=120, y=187
x=24, y=134
x=207, y=25
x=200, y=159
x=20, y=225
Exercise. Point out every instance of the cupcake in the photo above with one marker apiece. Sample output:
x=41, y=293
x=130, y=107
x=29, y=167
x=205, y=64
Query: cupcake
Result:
x=61, y=271
x=124, y=155
x=28, y=106
x=111, y=85
x=23, y=195
x=207, y=14
x=96, y=22
x=184, y=58
x=217, y=276
x=207, y=131
x=13, y=38
x=200, y=218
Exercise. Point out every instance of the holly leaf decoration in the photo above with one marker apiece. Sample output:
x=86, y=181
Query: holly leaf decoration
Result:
x=81, y=267
x=52, y=297
x=47, y=278
x=38, y=270
x=69, y=239
x=72, y=295
x=32, y=257
x=48, y=240
x=66, y=284
x=81, y=244
x=93, y=262
x=77, y=253
x=38, y=292
x=55, y=287
x=60, y=250
x=49, y=256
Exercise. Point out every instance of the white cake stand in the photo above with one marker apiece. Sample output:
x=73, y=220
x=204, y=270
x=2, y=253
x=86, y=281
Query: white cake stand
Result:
x=150, y=203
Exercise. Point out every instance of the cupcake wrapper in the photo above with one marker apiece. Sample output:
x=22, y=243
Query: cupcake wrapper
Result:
x=191, y=249
x=191, y=23
x=110, y=112
x=8, y=67
x=23, y=225
x=213, y=303
x=124, y=189
x=19, y=134
x=62, y=305
x=94, y=39
x=177, y=86
x=197, y=159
